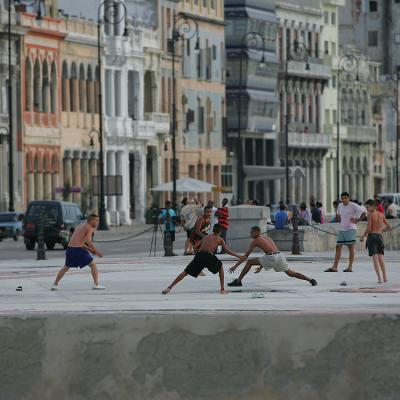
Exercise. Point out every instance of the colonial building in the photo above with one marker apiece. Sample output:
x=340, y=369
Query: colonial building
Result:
x=200, y=91
x=258, y=101
x=304, y=72
x=41, y=104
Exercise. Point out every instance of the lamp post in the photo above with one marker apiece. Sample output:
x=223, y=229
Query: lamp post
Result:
x=112, y=14
x=350, y=64
x=184, y=28
x=250, y=43
x=297, y=51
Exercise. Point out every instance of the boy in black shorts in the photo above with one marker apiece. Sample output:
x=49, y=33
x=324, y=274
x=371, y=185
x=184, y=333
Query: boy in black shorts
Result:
x=205, y=258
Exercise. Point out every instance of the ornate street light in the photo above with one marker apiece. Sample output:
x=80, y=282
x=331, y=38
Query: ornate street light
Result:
x=110, y=12
x=184, y=28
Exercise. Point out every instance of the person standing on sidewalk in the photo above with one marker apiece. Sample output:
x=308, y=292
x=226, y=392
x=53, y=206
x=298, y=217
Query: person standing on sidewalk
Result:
x=349, y=214
x=214, y=218
x=375, y=245
x=167, y=217
x=223, y=219
x=188, y=221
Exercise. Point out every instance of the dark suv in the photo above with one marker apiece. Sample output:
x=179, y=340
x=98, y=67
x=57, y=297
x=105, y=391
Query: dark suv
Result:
x=59, y=218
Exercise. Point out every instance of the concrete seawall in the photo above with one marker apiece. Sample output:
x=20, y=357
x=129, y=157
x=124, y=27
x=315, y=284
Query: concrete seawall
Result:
x=213, y=356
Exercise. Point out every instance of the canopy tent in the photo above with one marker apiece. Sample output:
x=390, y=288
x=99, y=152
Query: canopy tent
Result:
x=185, y=185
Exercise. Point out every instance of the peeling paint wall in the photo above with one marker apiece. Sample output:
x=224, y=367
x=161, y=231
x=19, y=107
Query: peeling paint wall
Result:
x=203, y=356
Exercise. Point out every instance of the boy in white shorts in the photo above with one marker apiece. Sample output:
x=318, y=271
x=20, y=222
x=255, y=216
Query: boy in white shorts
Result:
x=273, y=259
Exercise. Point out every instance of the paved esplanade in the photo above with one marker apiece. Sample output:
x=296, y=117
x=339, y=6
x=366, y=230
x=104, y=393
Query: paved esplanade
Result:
x=129, y=342
x=136, y=284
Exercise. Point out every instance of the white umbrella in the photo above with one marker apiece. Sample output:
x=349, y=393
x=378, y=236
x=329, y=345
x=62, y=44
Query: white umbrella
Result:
x=188, y=185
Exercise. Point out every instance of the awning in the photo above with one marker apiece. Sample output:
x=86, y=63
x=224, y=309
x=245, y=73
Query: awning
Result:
x=185, y=185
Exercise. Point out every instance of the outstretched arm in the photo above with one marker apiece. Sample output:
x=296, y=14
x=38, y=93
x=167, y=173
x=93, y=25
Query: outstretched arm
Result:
x=228, y=250
x=388, y=227
x=88, y=244
x=243, y=258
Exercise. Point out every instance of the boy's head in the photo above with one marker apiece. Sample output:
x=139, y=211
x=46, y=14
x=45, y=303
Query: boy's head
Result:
x=207, y=212
x=370, y=204
x=303, y=206
x=217, y=229
x=345, y=198
x=93, y=220
x=255, y=232
x=225, y=202
x=168, y=204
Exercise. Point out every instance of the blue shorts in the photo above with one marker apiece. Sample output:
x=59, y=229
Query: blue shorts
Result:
x=77, y=257
x=347, y=237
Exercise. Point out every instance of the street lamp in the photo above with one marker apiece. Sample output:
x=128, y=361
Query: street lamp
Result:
x=350, y=64
x=184, y=28
x=250, y=43
x=112, y=14
x=297, y=51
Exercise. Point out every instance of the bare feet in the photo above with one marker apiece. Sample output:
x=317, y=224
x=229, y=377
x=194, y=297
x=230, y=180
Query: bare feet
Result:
x=166, y=291
x=224, y=292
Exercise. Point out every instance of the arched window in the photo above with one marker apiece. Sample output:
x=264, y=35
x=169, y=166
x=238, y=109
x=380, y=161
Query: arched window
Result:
x=53, y=88
x=89, y=90
x=28, y=84
x=65, y=87
x=163, y=97
x=150, y=91
x=82, y=89
x=45, y=87
x=210, y=124
x=37, y=92
x=73, y=88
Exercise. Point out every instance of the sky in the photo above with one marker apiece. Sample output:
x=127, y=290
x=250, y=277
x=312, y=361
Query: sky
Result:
x=144, y=11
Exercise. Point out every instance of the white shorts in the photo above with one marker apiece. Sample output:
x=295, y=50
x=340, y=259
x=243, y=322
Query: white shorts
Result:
x=274, y=261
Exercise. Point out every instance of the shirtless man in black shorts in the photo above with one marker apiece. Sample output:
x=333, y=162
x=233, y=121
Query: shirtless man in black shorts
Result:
x=205, y=258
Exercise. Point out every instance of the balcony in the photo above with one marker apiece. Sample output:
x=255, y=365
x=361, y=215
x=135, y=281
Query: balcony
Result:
x=161, y=122
x=144, y=130
x=317, y=69
x=310, y=140
x=358, y=134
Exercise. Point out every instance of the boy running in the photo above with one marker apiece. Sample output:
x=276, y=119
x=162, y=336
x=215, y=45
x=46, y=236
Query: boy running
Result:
x=77, y=255
x=205, y=258
x=273, y=258
x=375, y=245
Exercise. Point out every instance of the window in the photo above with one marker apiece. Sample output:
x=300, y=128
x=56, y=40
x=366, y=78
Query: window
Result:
x=214, y=51
x=326, y=18
x=333, y=46
x=334, y=117
x=334, y=81
x=326, y=47
x=333, y=18
x=226, y=177
x=188, y=47
x=373, y=6
x=373, y=38
x=327, y=116
x=200, y=122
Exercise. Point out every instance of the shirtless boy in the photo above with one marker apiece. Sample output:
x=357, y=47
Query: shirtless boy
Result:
x=375, y=245
x=201, y=228
x=77, y=255
x=205, y=258
x=273, y=259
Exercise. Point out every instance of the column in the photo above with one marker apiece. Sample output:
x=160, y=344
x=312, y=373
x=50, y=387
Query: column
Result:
x=315, y=181
x=123, y=205
x=67, y=172
x=85, y=180
x=31, y=186
x=47, y=191
x=311, y=192
x=319, y=188
x=39, y=185
x=117, y=93
x=292, y=187
x=94, y=203
x=140, y=184
x=306, y=183
x=55, y=183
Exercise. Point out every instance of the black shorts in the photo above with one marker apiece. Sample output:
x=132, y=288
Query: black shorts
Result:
x=203, y=260
x=189, y=233
x=375, y=244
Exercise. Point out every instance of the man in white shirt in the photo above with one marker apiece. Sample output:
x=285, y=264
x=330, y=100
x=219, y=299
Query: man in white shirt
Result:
x=188, y=220
x=348, y=213
x=214, y=218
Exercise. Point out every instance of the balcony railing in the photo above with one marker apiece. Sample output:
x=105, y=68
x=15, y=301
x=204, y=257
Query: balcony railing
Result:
x=310, y=140
x=161, y=121
x=360, y=134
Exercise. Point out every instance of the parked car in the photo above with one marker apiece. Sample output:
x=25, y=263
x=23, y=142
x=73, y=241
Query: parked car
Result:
x=10, y=225
x=59, y=218
x=395, y=197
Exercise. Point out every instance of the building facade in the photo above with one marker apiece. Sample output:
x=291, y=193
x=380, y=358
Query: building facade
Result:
x=200, y=91
x=305, y=73
x=258, y=100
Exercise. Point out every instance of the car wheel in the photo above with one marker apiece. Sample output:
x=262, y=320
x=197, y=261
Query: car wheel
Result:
x=30, y=244
x=50, y=245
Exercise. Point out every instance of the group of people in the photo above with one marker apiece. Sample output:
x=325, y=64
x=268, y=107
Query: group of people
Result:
x=205, y=238
x=196, y=220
